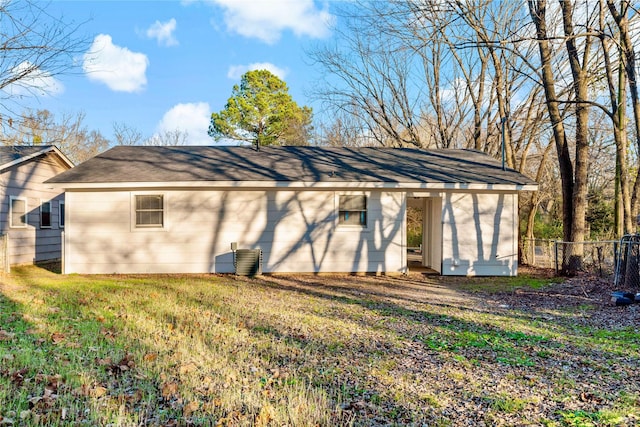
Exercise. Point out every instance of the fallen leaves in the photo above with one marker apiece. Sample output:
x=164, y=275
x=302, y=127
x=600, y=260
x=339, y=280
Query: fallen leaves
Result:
x=309, y=360
x=17, y=377
x=125, y=364
x=590, y=397
x=169, y=389
x=57, y=338
x=108, y=333
x=265, y=416
x=187, y=368
x=6, y=336
x=150, y=357
x=98, y=391
x=190, y=408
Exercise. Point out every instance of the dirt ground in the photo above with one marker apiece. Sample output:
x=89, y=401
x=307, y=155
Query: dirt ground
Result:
x=583, y=292
x=574, y=379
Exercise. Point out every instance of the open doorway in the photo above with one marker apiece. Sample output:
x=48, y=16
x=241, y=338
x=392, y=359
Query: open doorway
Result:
x=424, y=233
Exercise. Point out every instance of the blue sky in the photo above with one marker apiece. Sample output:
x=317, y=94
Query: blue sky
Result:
x=161, y=65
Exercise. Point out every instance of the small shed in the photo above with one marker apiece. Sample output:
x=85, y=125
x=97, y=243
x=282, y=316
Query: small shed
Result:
x=308, y=209
x=32, y=214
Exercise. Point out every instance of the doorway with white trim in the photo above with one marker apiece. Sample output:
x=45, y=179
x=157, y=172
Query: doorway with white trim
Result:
x=424, y=232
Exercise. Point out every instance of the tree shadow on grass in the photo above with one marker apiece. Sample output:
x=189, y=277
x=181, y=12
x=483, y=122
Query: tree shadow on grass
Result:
x=101, y=322
x=74, y=366
x=502, y=346
x=377, y=367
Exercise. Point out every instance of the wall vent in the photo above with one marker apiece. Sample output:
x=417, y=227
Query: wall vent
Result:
x=248, y=262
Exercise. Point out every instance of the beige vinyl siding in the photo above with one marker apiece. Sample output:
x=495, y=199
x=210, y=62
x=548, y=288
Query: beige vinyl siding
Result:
x=25, y=180
x=297, y=231
x=479, y=234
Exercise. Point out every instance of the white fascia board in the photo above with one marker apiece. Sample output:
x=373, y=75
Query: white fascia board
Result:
x=223, y=185
x=64, y=158
x=36, y=154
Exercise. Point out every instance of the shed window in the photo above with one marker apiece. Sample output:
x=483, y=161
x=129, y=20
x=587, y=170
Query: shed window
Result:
x=18, y=212
x=352, y=210
x=45, y=215
x=149, y=211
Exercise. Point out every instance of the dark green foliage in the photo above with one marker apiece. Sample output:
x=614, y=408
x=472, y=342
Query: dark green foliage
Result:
x=600, y=216
x=262, y=112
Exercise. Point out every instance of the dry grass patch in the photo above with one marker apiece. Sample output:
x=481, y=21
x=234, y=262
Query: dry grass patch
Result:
x=305, y=350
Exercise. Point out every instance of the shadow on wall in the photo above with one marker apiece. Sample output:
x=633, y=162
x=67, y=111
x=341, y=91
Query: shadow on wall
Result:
x=296, y=231
x=24, y=182
x=289, y=226
x=48, y=234
x=487, y=260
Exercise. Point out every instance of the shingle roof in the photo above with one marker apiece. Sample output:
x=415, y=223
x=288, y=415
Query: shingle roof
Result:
x=136, y=164
x=14, y=154
x=9, y=154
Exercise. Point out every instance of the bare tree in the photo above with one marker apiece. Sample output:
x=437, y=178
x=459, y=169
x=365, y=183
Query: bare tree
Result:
x=617, y=113
x=371, y=74
x=629, y=62
x=68, y=133
x=486, y=75
x=538, y=12
x=35, y=46
x=578, y=47
x=168, y=137
x=126, y=135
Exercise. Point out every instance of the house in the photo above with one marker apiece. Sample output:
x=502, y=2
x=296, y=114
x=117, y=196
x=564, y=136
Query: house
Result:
x=31, y=213
x=308, y=209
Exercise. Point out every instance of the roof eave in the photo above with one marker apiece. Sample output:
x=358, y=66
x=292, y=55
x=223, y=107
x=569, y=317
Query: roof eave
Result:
x=45, y=150
x=293, y=185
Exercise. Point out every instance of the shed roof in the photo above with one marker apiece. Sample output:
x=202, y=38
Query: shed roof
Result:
x=288, y=166
x=14, y=154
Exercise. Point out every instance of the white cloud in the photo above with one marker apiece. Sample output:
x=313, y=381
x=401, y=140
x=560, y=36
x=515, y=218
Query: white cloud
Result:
x=266, y=20
x=117, y=67
x=163, y=32
x=236, y=71
x=34, y=82
x=192, y=118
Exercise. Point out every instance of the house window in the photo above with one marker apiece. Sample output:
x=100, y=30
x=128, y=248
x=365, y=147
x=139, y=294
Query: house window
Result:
x=352, y=210
x=18, y=212
x=61, y=214
x=149, y=211
x=45, y=215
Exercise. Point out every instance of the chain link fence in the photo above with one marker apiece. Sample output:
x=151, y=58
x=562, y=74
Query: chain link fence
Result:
x=594, y=257
x=628, y=263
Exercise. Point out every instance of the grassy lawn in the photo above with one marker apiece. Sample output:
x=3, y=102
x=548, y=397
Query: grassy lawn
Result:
x=306, y=350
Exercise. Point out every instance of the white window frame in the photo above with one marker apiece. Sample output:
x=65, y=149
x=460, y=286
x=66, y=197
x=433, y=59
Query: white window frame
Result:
x=42, y=203
x=137, y=228
x=61, y=214
x=342, y=225
x=26, y=212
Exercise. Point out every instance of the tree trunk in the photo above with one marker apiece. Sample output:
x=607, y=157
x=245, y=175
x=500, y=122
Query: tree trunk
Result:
x=629, y=59
x=580, y=88
x=537, y=10
x=618, y=97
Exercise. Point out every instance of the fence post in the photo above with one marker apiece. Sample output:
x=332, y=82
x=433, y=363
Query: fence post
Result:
x=4, y=248
x=556, y=255
x=615, y=255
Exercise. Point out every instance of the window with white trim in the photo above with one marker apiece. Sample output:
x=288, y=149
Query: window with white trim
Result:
x=149, y=210
x=61, y=213
x=352, y=210
x=45, y=215
x=17, y=212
